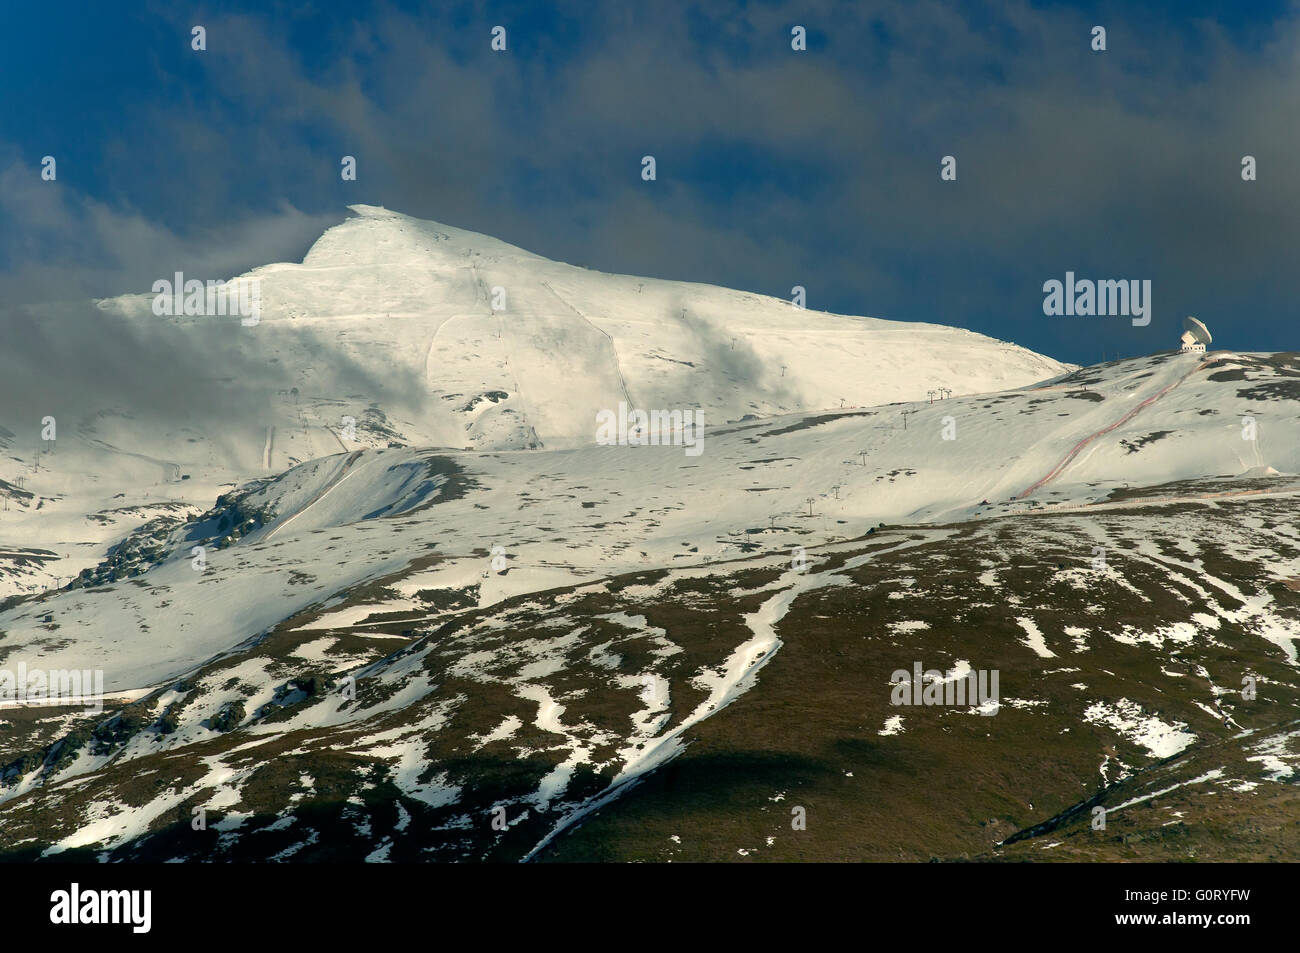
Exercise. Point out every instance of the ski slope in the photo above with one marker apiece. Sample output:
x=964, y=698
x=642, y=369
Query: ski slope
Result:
x=507, y=349
x=563, y=517
x=397, y=332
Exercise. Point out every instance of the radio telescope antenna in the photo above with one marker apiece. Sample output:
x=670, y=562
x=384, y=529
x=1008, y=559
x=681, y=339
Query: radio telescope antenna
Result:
x=1195, y=335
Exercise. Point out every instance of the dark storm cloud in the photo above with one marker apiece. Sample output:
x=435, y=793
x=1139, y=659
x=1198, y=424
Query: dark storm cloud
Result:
x=775, y=168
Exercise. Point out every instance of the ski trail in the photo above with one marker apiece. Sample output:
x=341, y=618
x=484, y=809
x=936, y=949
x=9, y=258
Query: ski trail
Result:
x=1070, y=457
x=171, y=471
x=618, y=366
x=433, y=338
x=344, y=472
x=524, y=404
x=335, y=435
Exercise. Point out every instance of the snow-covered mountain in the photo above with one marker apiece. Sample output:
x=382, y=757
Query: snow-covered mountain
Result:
x=510, y=350
x=467, y=604
x=560, y=517
x=399, y=332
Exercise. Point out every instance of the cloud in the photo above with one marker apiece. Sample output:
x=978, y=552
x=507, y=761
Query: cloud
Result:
x=76, y=361
x=65, y=356
x=821, y=165
x=65, y=244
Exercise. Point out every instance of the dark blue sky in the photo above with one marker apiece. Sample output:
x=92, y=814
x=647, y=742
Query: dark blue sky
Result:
x=775, y=168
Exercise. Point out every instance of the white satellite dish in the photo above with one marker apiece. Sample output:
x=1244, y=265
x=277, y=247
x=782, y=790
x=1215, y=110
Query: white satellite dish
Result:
x=1197, y=329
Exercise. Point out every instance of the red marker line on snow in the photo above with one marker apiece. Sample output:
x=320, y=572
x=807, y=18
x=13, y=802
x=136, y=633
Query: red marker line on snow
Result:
x=1069, y=457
